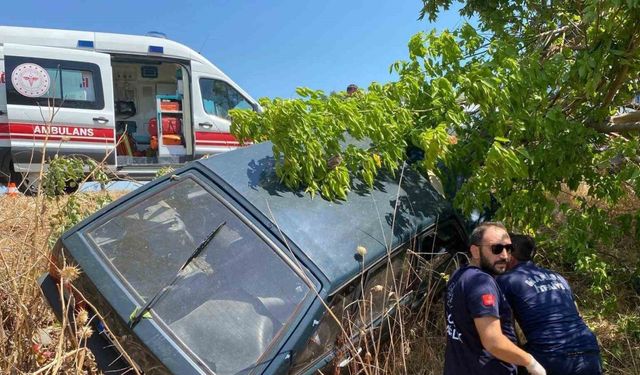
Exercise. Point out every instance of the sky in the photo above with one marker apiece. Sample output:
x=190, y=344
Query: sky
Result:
x=268, y=47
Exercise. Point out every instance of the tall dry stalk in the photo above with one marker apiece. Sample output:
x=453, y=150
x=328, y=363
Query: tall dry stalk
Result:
x=30, y=339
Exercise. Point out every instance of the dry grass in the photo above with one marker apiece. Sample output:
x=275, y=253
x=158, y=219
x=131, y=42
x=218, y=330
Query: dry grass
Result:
x=26, y=320
x=31, y=341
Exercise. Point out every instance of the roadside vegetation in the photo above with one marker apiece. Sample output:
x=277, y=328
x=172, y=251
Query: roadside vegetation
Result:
x=33, y=341
x=524, y=112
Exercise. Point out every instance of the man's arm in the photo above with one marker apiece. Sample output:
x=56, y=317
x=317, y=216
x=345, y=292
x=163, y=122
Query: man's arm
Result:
x=496, y=343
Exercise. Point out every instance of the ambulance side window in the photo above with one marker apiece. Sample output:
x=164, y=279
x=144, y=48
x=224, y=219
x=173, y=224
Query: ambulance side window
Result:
x=218, y=97
x=72, y=84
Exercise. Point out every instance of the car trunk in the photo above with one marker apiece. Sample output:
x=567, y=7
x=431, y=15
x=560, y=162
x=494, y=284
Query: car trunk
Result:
x=222, y=295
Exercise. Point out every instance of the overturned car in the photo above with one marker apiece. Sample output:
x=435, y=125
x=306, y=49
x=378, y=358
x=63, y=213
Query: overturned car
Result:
x=219, y=269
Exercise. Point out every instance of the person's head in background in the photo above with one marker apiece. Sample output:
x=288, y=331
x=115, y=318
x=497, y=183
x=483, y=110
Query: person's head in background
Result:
x=524, y=249
x=351, y=89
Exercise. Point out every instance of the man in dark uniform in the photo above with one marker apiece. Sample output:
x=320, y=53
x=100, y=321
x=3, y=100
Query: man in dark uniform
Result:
x=544, y=307
x=480, y=336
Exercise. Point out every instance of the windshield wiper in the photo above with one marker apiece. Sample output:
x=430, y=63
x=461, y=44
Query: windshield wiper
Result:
x=138, y=314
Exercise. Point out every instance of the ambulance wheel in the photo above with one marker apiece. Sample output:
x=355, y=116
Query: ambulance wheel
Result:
x=6, y=172
x=30, y=184
x=27, y=183
x=68, y=189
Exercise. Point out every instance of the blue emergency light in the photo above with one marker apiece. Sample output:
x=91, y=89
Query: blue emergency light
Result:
x=85, y=43
x=156, y=49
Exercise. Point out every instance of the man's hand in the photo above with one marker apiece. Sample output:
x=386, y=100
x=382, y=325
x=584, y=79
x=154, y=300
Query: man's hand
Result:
x=499, y=345
x=536, y=368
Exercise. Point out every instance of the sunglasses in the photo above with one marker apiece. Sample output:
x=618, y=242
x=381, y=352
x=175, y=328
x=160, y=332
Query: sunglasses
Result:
x=499, y=247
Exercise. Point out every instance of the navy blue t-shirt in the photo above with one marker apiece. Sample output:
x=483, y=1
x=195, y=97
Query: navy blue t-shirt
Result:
x=473, y=293
x=543, y=305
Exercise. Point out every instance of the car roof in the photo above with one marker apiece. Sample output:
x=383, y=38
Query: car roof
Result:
x=328, y=233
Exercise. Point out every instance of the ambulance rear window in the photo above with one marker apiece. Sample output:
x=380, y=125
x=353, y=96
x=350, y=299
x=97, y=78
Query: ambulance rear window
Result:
x=70, y=84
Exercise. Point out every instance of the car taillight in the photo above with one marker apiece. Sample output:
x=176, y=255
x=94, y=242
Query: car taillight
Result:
x=57, y=264
x=56, y=261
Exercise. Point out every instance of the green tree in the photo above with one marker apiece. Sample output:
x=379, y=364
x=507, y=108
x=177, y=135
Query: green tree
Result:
x=518, y=109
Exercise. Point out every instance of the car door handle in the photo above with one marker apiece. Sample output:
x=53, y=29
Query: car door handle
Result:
x=102, y=120
x=207, y=125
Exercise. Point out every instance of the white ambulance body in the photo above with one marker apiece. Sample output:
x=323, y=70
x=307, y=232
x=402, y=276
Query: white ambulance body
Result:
x=80, y=93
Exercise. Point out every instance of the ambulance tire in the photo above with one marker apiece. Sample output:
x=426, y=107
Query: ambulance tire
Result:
x=68, y=189
x=21, y=181
x=27, y=183
x=30, y=181
x=5, y=167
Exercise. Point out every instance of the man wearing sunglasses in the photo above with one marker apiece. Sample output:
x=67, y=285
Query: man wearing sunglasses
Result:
x=544, y=307
x=480, y=335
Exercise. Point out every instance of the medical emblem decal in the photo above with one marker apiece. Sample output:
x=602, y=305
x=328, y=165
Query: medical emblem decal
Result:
x=30, y=80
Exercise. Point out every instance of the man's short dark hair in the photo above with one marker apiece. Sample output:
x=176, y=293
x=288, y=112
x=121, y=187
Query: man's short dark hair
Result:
x=524, y=247
x=478, y=232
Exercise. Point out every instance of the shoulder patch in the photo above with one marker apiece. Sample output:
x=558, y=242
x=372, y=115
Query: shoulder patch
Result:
x=488, y=299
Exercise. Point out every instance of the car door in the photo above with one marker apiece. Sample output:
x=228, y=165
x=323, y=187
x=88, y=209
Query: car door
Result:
x=325, y=344
x=59, y=101
x=441, y=251
x=213, y=98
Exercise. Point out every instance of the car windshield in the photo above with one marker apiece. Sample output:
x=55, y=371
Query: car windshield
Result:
x=231, y=301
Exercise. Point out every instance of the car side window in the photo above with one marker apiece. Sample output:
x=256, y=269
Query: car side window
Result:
x=72, y=84
x=218, y=97
x=327, y=332
x=440, y=252
x=441, y=242
x=384, y=286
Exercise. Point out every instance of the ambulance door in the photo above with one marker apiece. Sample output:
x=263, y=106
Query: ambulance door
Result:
x=59, y=101
x=5, y=150
x=213, y=97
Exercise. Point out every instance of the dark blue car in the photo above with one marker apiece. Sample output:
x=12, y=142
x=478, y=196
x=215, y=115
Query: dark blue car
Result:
x=220, y=269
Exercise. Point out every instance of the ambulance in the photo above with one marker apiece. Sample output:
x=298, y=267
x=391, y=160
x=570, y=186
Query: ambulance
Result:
x=134, y=103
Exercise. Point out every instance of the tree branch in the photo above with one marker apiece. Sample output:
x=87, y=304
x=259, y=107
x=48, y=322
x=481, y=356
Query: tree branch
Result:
x=623, y=127
x=621, y=76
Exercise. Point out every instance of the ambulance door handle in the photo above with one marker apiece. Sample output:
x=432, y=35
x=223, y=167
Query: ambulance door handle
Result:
x=102, y=120
x=207, y=125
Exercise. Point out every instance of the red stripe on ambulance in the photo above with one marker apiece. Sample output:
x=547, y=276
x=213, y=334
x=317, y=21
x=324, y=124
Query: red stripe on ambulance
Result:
x=216, y=139
x=39, y=131
x=56, y=132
